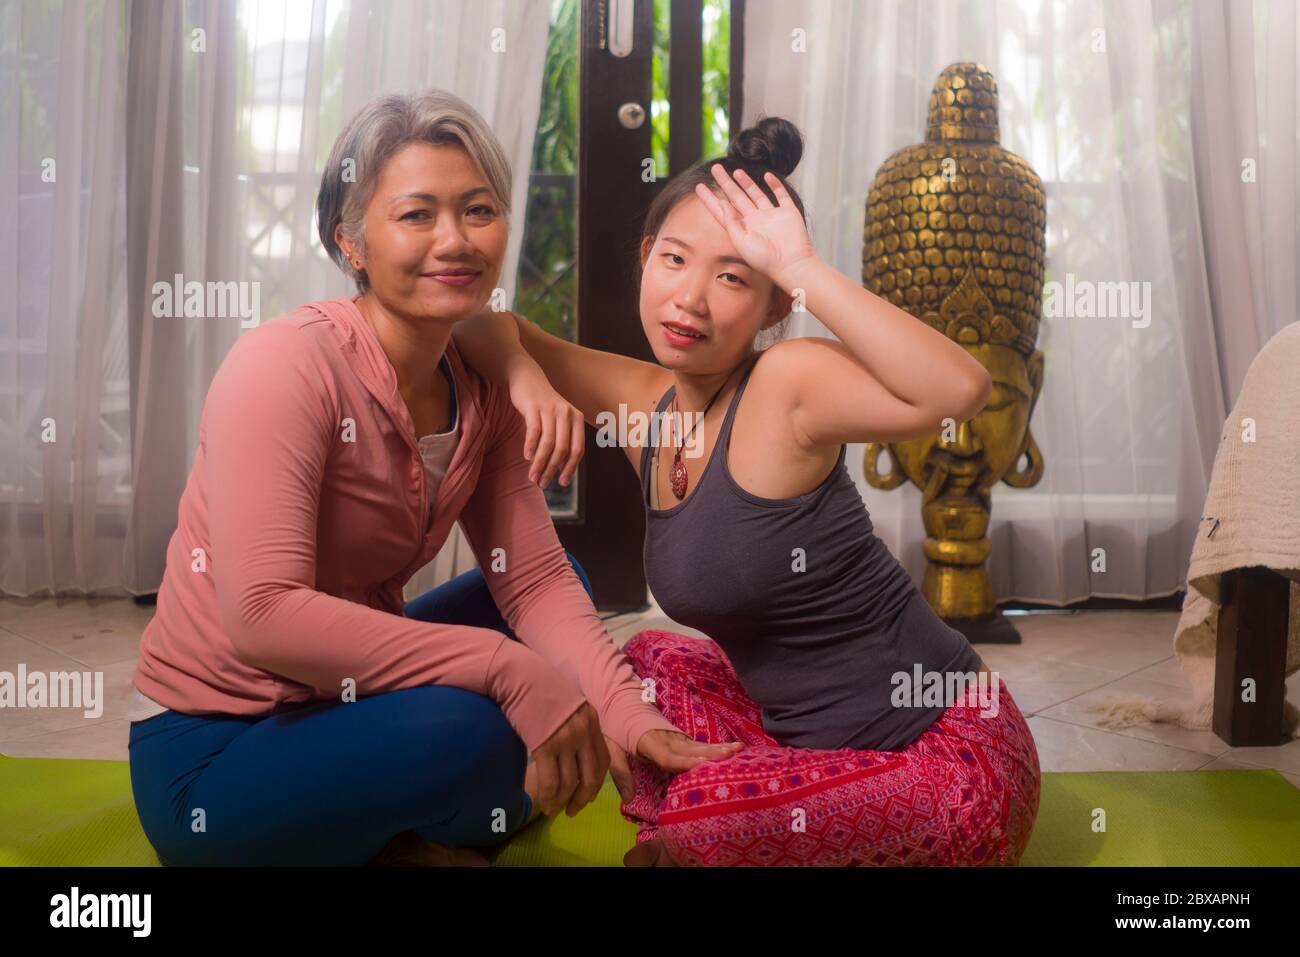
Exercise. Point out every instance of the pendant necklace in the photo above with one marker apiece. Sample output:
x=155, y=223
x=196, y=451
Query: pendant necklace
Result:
x=677, y=476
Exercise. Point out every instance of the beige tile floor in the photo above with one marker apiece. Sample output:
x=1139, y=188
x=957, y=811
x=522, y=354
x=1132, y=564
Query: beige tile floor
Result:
x=1066, y=662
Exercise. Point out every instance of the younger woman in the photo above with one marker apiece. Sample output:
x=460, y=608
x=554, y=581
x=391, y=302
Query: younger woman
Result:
x=757, y=536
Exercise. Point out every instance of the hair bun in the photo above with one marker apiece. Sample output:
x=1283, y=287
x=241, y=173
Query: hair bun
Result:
x=773, y=142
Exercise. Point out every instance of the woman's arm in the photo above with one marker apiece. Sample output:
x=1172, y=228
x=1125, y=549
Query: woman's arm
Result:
x=505, y=347
x=267, y=429
x=537, y=591
x=890, y=376
x=554, y=438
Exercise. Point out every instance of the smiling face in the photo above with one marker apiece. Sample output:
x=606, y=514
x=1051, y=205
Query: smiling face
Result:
x=693, y=279
x=434, y=236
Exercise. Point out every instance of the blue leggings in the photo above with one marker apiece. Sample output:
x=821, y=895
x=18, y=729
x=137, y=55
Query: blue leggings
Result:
x=331, y=783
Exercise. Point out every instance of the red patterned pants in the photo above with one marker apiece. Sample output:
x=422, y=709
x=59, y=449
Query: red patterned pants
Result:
x=964, y=793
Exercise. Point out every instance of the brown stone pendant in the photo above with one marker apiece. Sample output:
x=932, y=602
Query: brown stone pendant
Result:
x=677, y=476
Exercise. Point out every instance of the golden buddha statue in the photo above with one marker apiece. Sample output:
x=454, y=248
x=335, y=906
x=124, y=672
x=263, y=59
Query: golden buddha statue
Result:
x=956, y=234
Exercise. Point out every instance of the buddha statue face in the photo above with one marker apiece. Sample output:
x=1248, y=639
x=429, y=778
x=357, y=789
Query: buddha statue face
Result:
x=966, y=459
x=957, y=467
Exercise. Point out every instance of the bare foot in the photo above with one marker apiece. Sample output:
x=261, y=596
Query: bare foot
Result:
x=408, y=849
x=650, y=854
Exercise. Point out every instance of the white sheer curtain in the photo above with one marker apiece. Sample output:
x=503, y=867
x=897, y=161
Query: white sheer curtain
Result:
x=1137, y=116
x=189, y=139
x=133, y=148
x=1244, y=126
x=64, y=403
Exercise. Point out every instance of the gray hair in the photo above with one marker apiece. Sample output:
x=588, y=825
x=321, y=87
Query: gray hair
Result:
x=381, y=128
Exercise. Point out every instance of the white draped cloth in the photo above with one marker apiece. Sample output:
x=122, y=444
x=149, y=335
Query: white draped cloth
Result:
x=1251, y=517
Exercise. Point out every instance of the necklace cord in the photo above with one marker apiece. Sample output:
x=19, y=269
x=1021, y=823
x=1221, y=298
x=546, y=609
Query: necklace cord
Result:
x=678, y=448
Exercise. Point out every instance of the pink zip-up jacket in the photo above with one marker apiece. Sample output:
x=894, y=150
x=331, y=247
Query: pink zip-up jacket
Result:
x=306, y=512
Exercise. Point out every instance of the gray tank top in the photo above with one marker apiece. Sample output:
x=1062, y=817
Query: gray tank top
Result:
x=812, y=610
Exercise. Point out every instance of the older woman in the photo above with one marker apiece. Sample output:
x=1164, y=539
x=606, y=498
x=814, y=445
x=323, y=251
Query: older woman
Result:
x=290, y=708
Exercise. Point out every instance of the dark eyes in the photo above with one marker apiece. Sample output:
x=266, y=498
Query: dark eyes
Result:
x=677, y=260
x=479, y=211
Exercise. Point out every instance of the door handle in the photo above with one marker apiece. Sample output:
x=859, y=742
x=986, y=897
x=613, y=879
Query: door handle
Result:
x=618, y=26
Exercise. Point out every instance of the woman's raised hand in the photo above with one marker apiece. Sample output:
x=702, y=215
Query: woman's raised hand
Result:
x=555, y=438
x=771, y=238
x=571, y=764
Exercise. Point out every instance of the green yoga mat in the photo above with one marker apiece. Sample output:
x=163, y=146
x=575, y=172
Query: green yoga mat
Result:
x=66, y=812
